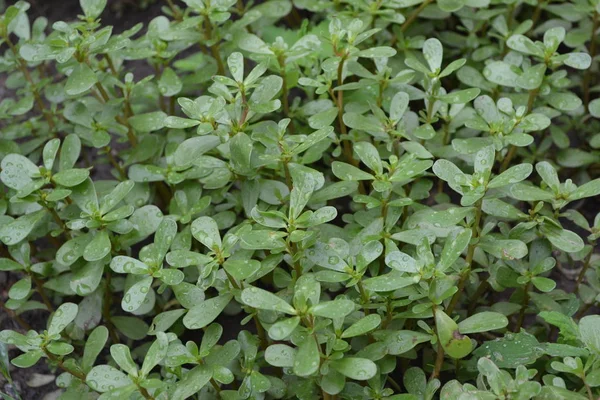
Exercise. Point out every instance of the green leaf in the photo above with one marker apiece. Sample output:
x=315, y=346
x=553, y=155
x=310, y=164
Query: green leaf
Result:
x=241, y=269
x=307, y=359
x=512, y=175
x=454, y=343
x=543, y=284
x=112, y=199
x=92, y=8
x=86, y=279
x=451, y=5
x=333, y=309
x=594, y=108
x=71, y=177
x=532, y=78
x=523, y=44
x=63, y=316
x=190, y=150
x=282, y=329
x=460, y=96
x=526, y=192
x=433, y=53
x=17, y=230
x=564, y=101
x=401, y=262
x=17, y=171
x=20, y=289
x=148, y=122
x=155, y=354
x=192, y=382
x=263, y=300
x=589, y=328
x=28, y=359
x=84, y=195
x=561, y=238
x=360, y=369
x=511, y=350
x=548, y=174
x=347, y=172
x=81, y=80
x=280, y=355
x=369, y=155
x=362, y=326
x=377, y=52
x=169, y=83
x=7, y=264
x=388, y=282
x=506, y=249
x=94, y=345
x=501, y=73
x=263, y=239
x=49, y=153
x=134, y=297
x=483, y=322
x=103, y=378
x=206, y=312
x=98, y=248
x=588, y=189
x=206, y=231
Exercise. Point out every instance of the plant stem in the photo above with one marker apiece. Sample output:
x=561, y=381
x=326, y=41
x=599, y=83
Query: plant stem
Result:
x=284, y=88
x=586, y=265
x=588, y=389
x=57, y=219
x=176, y=13
x=587, y=77
x=79, y=375
x=106, y=303
x=346, y=146
x=40, y=289
x=394, y=384
x=15, y=316
x=513, y=149
x=583, y=310
x=481, y=289
x=115, y=163
x=439, y=359
x=524, y=305
x=363, y=295
x=144, y=392
x=36, y=93
x=536, y=13
x=414, y=16
x=469, y=260
x=102, y=92
x=214, y=48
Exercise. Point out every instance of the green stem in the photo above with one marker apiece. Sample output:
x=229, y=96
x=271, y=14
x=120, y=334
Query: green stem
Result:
x=214, y=48
x=588, y=74
x=439, y=359
x=513, y=149
x=79, y=375
x=106, y=303
x=524, y=305
x=586, y=265
x=414, y=15
x=469, y=260
x=36, y=94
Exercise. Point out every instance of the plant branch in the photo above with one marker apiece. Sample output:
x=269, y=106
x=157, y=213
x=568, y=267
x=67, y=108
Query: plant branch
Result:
x=414, y=15
x=469, y=260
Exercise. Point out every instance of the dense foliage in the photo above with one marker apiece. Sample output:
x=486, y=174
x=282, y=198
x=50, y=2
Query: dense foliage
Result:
x=337, y=199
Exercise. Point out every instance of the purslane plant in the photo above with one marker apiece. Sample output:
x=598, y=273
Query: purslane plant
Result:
x=306, y=199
